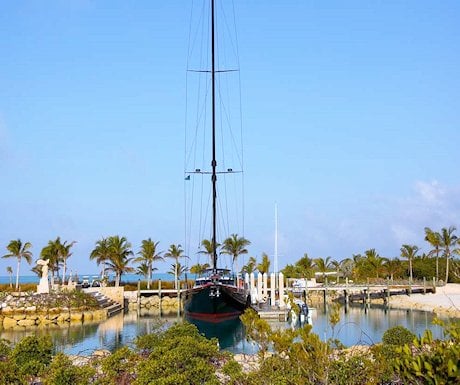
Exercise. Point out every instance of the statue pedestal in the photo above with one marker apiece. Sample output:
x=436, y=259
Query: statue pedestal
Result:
x=43, y=286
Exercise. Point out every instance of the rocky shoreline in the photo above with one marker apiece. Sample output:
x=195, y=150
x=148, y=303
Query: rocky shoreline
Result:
x=39, y=310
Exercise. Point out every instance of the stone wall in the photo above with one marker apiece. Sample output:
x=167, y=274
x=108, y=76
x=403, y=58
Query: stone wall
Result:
x=151, y=302
x=116, y=294
x=28, y=318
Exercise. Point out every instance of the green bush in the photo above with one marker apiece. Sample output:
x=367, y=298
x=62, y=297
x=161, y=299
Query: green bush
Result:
x=63, y=372
x=398, y=336
x=119, y=367
x=354, y=370
x=431, y=361
x=5, y=349
x=181, y=356
x=32, y=354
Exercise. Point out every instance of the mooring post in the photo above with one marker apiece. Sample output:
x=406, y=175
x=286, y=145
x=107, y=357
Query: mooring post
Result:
x=325, y=291
x=345, y=295
x=388, y=292
x=159, y=292
x=368, y=297
x=138, y=293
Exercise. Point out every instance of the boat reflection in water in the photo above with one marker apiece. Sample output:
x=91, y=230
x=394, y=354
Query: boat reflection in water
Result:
x=229, y=332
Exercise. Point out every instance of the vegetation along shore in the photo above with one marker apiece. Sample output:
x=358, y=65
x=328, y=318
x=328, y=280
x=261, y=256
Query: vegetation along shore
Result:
x=180, y=355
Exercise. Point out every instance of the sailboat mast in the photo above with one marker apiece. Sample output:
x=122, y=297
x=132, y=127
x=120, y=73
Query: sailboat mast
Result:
x=214, y=163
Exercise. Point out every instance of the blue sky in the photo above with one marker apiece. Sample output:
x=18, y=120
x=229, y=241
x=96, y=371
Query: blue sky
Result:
x=350, y=117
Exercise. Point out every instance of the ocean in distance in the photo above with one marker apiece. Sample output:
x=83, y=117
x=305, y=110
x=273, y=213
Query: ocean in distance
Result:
x=125, y=277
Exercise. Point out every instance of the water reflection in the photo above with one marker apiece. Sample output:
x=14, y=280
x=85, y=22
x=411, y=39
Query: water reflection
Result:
x=230, y=334
x=357, y=325
x=361, y=324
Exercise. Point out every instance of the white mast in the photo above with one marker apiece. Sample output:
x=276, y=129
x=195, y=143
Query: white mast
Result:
x=275, y=262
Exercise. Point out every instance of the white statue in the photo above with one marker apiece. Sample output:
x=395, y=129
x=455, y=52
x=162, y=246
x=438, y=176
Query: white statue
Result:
x=43, y=286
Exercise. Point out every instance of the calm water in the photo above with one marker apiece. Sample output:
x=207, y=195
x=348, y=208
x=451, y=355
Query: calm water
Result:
x=357, y=325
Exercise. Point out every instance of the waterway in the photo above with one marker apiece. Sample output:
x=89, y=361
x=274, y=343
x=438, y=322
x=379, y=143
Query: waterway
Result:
x=358, y=325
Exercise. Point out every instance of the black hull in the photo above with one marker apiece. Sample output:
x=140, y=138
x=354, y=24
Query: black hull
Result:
x=215, y=302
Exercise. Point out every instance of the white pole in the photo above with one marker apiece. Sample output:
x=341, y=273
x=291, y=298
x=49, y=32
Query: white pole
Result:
x=275, y=264
x=272, y=289
x=265, y=278
x=281, y=290
x=259, y=287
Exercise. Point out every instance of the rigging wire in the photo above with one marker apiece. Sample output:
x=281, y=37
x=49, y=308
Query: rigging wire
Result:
x=197, y=193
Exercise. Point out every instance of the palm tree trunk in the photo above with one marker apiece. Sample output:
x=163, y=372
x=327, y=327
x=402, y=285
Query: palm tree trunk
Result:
x=410, y=270
x=447, y=267
x=64, y=271
x=149, y=276
x=118, y=278
x=437, y=265
x=17, y=274
x=175, y=275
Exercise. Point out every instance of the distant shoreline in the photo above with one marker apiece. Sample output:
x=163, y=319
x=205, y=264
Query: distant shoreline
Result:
x=446, y=301
x=128, y=278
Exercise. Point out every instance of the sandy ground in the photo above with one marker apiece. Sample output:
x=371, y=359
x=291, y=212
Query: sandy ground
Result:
x=446, y=301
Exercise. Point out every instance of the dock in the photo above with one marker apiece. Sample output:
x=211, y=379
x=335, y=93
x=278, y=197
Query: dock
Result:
x=350, y=293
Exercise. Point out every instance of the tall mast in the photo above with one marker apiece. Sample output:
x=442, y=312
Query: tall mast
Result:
x=214, y=163
x=275, y=264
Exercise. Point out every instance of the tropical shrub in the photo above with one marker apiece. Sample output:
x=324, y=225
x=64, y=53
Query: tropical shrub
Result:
x=32, y=354
x=298, y=357
x=354, y=369
x=181, y=356
x=5, y=349
x=431, y=361
x=398, y=336
x=10, y=375
x=63, y=372
x=119, y=367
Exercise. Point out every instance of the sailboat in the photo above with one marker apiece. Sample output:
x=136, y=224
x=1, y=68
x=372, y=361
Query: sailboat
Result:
x=217, y=295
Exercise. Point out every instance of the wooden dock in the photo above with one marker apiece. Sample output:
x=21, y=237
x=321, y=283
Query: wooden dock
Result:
x=367, y=293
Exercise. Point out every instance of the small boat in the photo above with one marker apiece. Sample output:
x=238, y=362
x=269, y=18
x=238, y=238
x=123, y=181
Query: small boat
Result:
x=301, y=315
x=217, y=295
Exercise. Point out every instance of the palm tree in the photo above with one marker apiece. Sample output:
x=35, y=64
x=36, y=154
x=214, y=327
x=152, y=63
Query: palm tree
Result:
x=52, y=252
x=9, y=270
x=305, y=266
x=175, y=252
x=448, y=240
x=208, y=247
x=250, y=267
x=434, y=239
x=374, y=262
x=235, y=246
x=393, y=267
x=64, y=255
x=409, y=252
x=323, y=265
x=177, y=269
x=148, y=254
x=199, y=269
x=119, y=253
x=19, y=250
x=101, y=253
x=346, y=267
x=264, y=266
x=143, y=269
